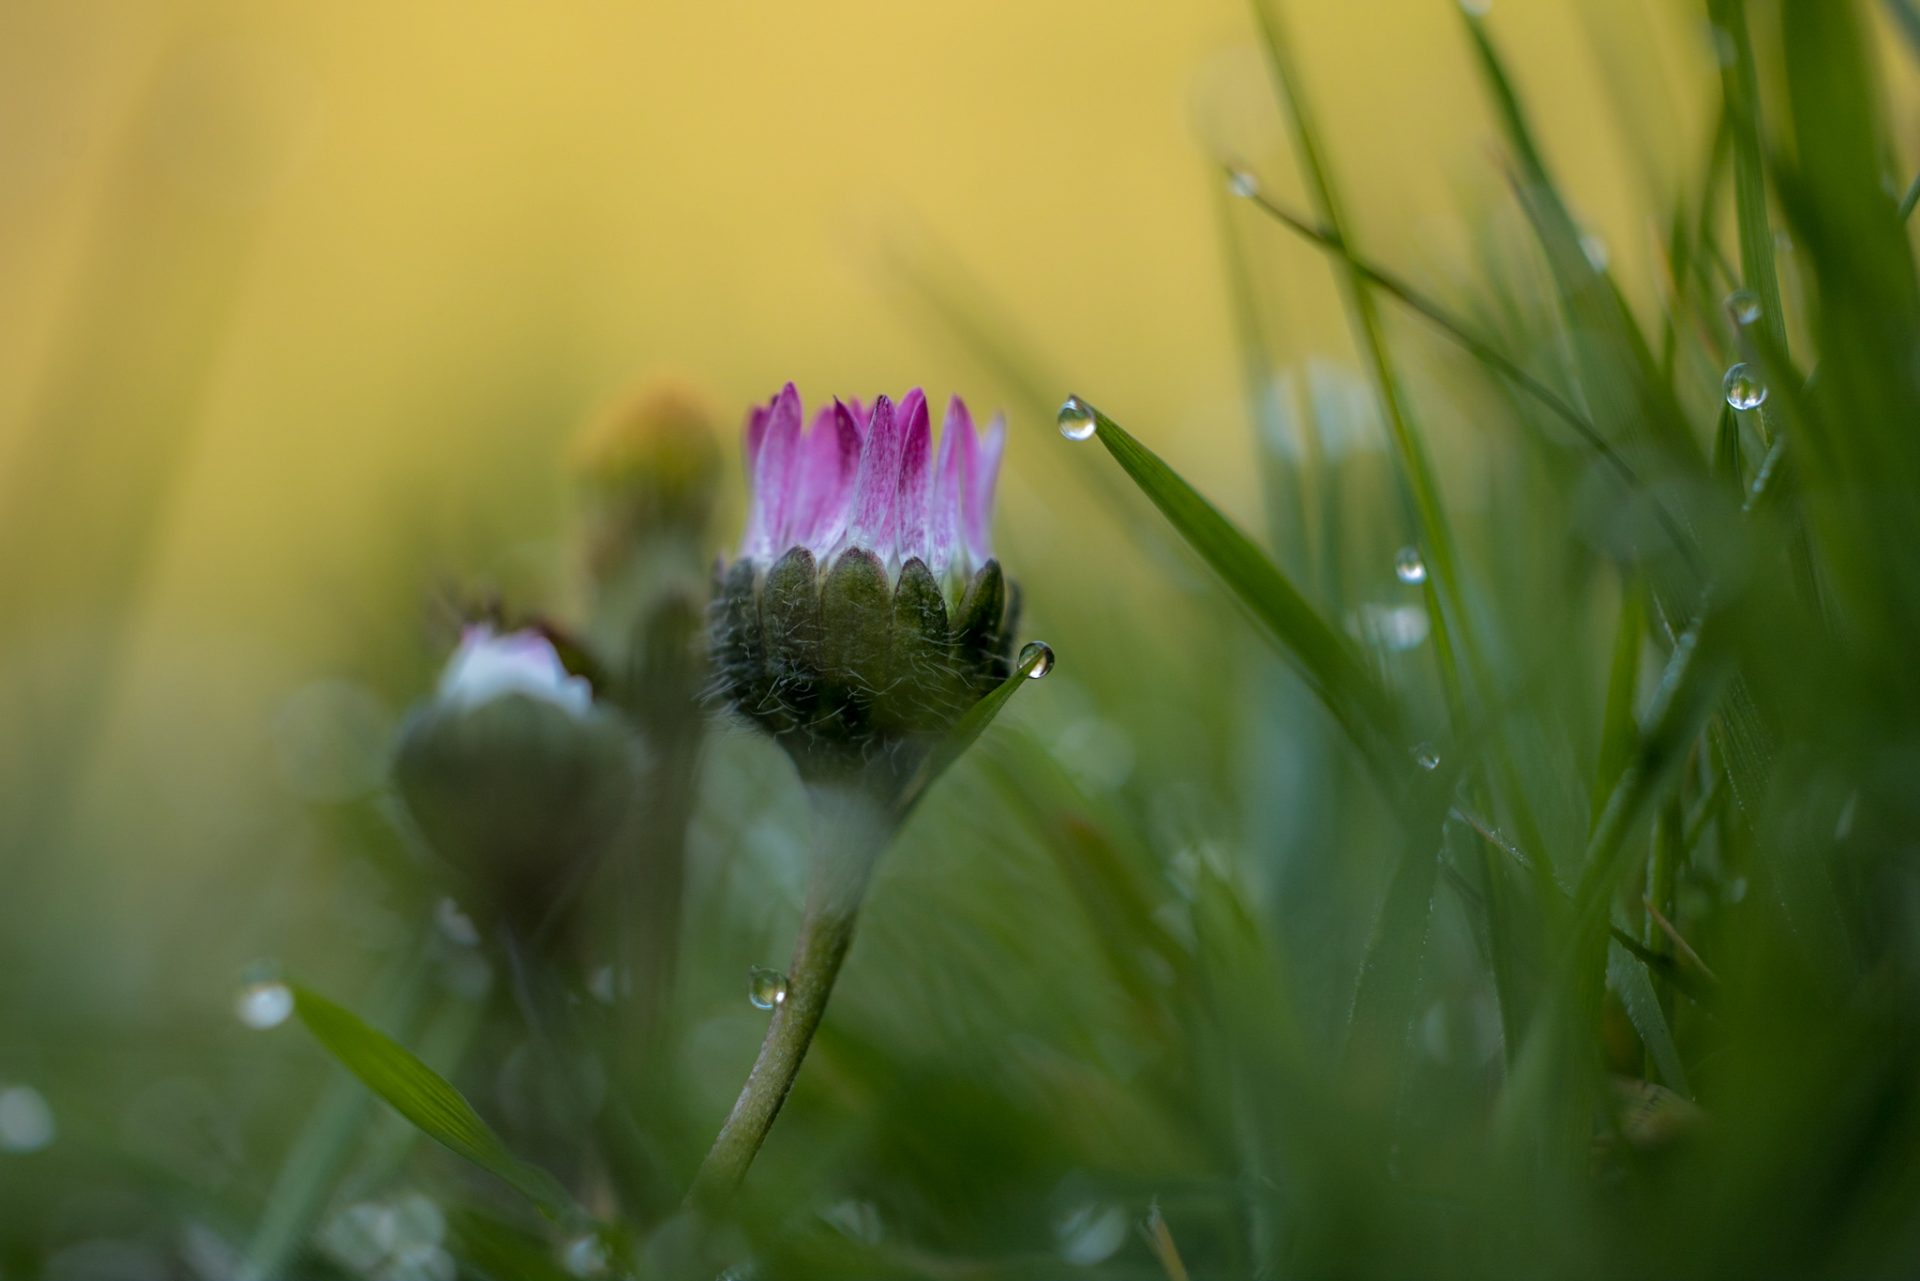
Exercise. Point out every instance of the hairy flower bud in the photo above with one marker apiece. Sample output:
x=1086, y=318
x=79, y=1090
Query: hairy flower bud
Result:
x=865, y=612
x=514, y=775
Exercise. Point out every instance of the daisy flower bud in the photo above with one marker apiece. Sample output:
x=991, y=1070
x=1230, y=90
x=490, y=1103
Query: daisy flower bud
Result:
x=515, y=776
x=865, y=612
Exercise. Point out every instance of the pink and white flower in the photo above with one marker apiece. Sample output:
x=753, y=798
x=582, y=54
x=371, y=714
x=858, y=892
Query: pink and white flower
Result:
x=865, y=612
x=871, y=479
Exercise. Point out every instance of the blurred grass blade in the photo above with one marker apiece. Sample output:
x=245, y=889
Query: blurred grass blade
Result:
x=1335, y=674
x=1619, y=374
x=1448, y=324
x=332, y=1133
x=1420, y=486
x=1906, y=16
x=1740, y=85
x=1617, y=729
x=424, y=1098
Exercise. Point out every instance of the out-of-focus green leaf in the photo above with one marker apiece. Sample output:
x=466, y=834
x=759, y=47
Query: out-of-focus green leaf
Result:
x=424, y=1098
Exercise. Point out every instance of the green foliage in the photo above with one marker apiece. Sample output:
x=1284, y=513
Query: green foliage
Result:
x=1550, y=912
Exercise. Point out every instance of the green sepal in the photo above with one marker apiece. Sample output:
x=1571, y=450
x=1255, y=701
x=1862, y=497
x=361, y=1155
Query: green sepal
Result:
x=790, y=627
x=856, y=627
x=924, y=688
x=739, y=646
x=980, y=634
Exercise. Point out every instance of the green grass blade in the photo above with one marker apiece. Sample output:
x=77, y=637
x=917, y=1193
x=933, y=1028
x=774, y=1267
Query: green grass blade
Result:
x=1561, y=1043
x=968, y=728
x=424, y=1098
x=1334, y=673
x=1421, y=487
x=1623, y=678
x=1630, y=979
x=1740, y=86
x=1619, y=373
x=1451, y=326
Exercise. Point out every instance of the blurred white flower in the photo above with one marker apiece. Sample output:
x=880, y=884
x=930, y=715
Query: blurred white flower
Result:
x=487, y=666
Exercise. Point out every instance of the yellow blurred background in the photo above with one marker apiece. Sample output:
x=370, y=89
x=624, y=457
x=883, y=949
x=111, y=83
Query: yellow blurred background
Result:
x=288, y=287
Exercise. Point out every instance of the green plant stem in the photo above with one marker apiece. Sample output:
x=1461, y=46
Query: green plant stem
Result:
x=850, y=834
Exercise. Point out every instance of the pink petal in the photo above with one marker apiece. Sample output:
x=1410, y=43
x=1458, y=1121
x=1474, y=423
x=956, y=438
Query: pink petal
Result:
x=829, y=460
x=773, y=477
x=878, y=485
x=979, y=481
x=755, y=433
x=916, y=454
x=943, y=504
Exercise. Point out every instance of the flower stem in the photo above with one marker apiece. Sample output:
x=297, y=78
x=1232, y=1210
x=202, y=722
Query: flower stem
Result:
x=851, y=832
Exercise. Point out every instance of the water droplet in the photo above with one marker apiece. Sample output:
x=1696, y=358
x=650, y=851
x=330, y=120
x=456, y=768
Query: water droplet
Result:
x=586, y=1256
x=856, y=1220
x=1397, y=628
x=1425, y=757
x=1477, y=8
x=1598, y=256
x=766, y=988
x=455, y=924
x=1743, y=306
x=1090, y=1234
x=26, y=1122
x=1077, y=419
x=1408, y=567
x=1744, y=389
x=264, y=1001
x=1040, y=654
x=1242, y=183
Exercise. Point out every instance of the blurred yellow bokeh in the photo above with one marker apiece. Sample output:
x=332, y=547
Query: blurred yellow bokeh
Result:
x=284, y=282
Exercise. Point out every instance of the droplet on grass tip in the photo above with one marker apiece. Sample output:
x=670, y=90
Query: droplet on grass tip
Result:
x=766, y=988
x=1408, y=566
x=1743, y=388
x=1242, y=183
x=264, y=1001
x=1425, y=757
x=1040, y=654
x=1077, y=420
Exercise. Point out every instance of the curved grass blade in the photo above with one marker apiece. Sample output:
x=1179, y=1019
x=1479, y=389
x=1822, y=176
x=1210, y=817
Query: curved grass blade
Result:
x=968, y=728
x=1323, y=660
x=424, y=1098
